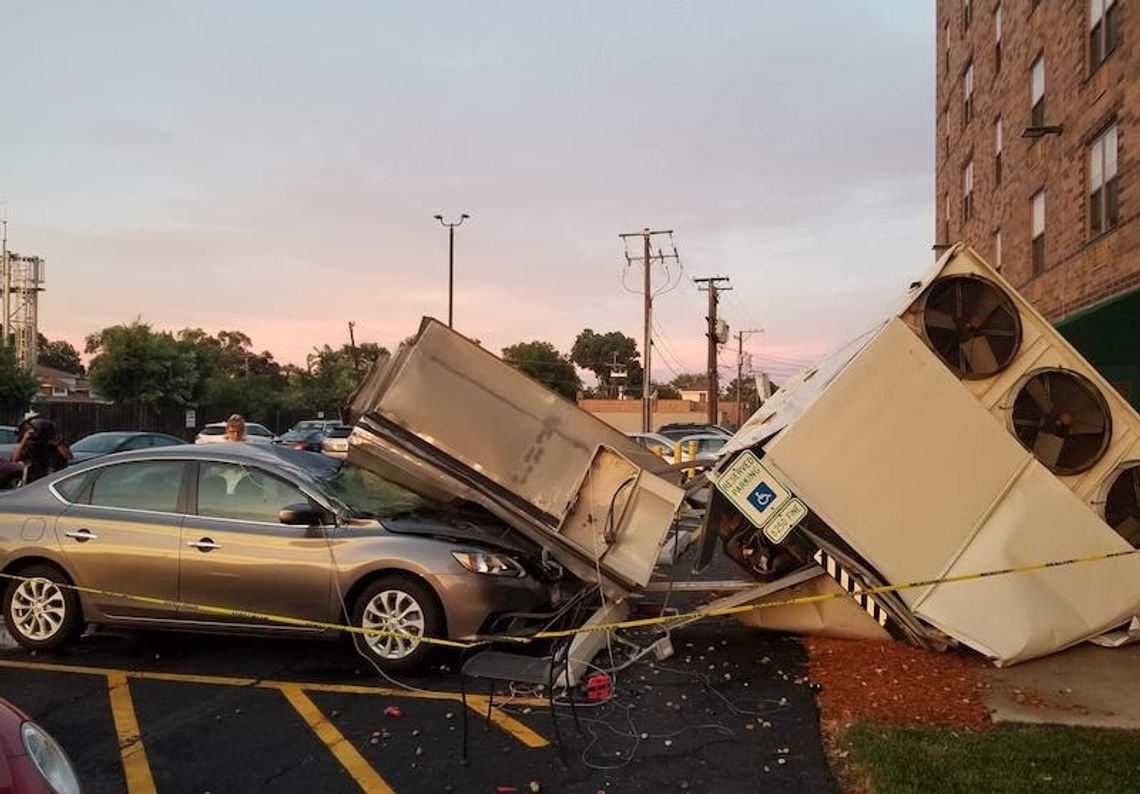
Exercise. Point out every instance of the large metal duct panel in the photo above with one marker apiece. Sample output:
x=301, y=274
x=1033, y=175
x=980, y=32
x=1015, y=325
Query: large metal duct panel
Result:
x=448, y=419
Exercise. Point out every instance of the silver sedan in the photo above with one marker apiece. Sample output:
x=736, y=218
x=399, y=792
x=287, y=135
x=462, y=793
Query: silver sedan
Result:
x=251, y=532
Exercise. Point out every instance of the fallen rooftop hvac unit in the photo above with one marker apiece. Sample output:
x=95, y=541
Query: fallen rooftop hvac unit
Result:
x=961, y=435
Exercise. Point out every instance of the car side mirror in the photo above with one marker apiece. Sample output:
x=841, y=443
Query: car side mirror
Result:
x=301, y=514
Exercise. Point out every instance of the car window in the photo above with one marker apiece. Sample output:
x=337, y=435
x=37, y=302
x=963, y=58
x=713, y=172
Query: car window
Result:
x=71, y=488
x=257, y=430
x=163, y=441
x=8, y=435
x=213, y=430
x=138, y=442
x=139, y=486
x=226, y=490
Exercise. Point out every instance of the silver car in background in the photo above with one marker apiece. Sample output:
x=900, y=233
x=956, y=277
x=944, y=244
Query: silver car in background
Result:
x=335, y=442
x=252, y=532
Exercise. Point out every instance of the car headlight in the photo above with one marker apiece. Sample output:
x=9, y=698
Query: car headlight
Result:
x=49, y=758
x=490, y=563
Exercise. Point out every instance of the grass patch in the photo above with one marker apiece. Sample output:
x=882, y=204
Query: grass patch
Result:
x=1035, y=759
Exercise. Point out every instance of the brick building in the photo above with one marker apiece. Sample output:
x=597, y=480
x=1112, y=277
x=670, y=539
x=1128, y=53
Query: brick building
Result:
x=1037, y=147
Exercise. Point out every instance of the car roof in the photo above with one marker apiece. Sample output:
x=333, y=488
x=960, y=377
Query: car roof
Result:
x=247, y=424
x=236, y=452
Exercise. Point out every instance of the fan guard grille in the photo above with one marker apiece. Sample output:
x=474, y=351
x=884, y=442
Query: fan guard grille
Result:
x=1063, y=419
x=971, y=324
x=1122, y=505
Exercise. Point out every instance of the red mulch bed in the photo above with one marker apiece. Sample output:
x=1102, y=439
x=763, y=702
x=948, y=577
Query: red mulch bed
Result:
x=893, y=683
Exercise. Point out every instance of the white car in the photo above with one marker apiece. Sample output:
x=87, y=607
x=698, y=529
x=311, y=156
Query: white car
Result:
x=335, y=443
x=655, y=443
x=215, y=433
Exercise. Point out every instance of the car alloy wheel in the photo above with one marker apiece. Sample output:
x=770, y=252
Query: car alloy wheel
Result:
x=409, y=610
x=41, y=613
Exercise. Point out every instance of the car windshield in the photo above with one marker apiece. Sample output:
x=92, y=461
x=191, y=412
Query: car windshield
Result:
x=308, y=426
x=368, y=495
x=213, y=430
x=100, y=442
x=710, y=444
x=340, y=432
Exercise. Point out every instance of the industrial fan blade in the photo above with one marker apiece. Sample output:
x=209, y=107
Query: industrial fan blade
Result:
x=980, y=355
x=988, y=301
x=1047, y=448
x=1038, y=390
x=936, y=318
x=1129, y=529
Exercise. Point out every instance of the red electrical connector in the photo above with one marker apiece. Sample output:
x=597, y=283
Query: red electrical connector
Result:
x=598, y=687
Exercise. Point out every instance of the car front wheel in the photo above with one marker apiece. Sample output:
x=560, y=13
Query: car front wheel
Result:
x=40, y=611
x=404, y=609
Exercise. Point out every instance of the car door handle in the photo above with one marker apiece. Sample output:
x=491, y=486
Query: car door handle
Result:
x=82, y=535
x=205, y=544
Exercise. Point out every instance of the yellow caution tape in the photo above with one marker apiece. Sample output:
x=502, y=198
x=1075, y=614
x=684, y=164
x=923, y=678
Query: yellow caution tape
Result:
x=699, y=614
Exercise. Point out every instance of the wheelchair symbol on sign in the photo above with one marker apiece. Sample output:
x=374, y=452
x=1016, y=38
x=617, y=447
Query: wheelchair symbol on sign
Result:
x=762, y=496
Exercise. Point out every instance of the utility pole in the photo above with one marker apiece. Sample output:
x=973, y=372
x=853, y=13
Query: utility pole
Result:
x=352, y=344
x=740, y=370
x=647, y=344
x=7, y=279
x=713, y=290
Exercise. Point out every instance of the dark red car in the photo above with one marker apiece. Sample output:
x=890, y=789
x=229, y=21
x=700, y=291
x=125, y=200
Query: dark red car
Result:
x=31, y=761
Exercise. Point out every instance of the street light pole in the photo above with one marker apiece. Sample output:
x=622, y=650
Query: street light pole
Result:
x=451, y=261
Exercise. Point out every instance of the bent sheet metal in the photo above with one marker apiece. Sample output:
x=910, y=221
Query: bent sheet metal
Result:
x=962, y=434
x=448, y=419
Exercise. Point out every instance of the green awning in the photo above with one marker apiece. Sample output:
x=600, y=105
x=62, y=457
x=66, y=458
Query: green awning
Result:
x=1108, y=335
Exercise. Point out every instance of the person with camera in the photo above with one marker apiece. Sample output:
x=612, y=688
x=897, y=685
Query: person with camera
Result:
x=40, y=448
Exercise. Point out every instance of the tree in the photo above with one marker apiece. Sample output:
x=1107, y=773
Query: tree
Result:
x=132, y=363
x=17, y=387
x=59, y=355
x=666, y=391
x=688, y=381
x=602, y=353
x=330, y=377
x=541, y=361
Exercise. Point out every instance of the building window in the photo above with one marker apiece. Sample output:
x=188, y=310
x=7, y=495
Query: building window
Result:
x=1104, y=30
x=58, y=391
x=967, y=14
x=946, y=219
x=1104, y=187
x=997, y=39
x=1037, y=92
x=968, y=88
x=997, y=151
x=968, y=191
x=1039, y=233
x=997, y=250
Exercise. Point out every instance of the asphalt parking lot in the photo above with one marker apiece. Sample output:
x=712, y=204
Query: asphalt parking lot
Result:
x=143, y=712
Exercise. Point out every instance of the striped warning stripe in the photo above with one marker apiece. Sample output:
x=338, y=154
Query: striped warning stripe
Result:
x=852, y=585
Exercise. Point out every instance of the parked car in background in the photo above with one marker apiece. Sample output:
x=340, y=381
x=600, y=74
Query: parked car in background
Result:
x=655, y=442
x=11, y=473
x=678, y=430
x=215, y=433
x=97, y=444
x=31, y=761
x=703, y=447
x=335, y=443
x=262, y=530
x=308, y=440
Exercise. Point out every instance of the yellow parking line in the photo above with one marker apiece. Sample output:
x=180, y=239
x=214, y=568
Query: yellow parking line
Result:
x=353, y=762
x=135, y=766
x=478, y=704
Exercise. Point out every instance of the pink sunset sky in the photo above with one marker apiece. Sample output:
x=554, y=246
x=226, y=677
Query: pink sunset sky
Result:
x=274, y=167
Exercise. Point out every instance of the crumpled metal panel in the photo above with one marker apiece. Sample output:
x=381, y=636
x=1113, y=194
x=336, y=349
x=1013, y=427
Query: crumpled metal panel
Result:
x=447, y=418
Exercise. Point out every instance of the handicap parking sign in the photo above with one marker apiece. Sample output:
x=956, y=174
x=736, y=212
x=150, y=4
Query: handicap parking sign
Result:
x=762, y=496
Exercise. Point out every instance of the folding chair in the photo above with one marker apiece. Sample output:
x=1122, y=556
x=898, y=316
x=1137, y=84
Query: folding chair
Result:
x=522, y=669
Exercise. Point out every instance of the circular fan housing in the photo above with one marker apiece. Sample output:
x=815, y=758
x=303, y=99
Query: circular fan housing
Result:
x=1122, y=505
x=971, y=324
x=1063, y=419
